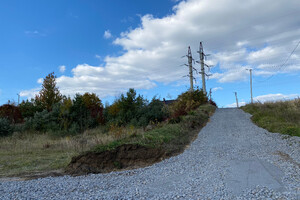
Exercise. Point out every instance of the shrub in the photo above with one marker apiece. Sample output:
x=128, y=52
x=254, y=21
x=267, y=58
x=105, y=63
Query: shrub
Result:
x=5, y=127
x=186, y=102
x=127, y=109
x=45, y=121
x=156, y=111
x=133, y=109
x=38, y=122
x=11, y=113
x=29, y=108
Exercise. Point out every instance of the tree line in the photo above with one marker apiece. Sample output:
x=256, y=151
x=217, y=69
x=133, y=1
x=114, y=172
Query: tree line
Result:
x=50, y=111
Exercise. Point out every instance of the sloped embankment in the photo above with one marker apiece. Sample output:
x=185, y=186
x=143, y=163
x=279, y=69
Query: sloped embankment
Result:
x=122, y=157
x=143, y=150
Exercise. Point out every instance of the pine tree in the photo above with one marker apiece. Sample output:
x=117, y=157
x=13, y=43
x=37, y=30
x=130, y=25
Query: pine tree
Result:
x=49, y=95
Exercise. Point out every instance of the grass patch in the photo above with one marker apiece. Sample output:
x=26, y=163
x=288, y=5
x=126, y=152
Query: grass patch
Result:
x=171, y=137
x=281, y=117
x=25, y=153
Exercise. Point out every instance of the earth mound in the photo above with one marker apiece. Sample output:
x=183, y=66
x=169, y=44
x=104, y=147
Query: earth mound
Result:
x=127, y=156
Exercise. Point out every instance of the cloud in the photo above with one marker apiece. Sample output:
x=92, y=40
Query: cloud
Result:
x=233, y=105
x=40, y=80
x=30, y=93
x=216, y=89
x=107, y=34
x=98, y=57
x=99, y=80
x=62, y=68
x=235, y=37
x=275, y=97
x=234, y=74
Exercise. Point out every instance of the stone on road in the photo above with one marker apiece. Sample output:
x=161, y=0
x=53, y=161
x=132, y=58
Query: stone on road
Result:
x=231, y=159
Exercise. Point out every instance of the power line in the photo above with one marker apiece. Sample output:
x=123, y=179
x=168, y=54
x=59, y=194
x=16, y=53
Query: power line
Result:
x=284, y=63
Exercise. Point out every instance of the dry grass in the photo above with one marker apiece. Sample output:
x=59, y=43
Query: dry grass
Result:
x=31, y=152
x=282, y=116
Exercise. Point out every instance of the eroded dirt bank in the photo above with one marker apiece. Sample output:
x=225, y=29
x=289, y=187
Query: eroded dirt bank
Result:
x=127, y=156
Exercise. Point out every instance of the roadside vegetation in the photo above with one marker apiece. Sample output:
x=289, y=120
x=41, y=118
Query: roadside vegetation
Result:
x=45, y=133
x=135, y=149
x=280, y=117
x=169, y=135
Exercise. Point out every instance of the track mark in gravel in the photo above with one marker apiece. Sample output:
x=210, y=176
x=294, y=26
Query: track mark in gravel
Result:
x=252, y=172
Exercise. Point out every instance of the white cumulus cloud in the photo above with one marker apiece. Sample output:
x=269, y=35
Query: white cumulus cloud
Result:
x=234, y=36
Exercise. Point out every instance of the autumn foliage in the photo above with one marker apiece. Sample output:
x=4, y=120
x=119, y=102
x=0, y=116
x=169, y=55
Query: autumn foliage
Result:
x=11, y=113
x=50, y=111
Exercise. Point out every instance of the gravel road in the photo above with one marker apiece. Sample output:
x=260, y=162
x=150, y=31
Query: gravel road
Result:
x=231, y=159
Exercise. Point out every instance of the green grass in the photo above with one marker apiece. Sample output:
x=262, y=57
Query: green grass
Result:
x=280, y=117
x=167, y=136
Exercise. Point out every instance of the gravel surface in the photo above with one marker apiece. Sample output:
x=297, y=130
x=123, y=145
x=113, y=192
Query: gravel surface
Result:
x=231, y=159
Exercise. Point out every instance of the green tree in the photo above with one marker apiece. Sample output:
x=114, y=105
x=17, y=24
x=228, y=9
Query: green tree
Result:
x=49, y=94
x=94, y=105
x=80, y=113
x=128, y=108
x=155, y=111
x=5, y=127
x=65, y=110
x=29, y=108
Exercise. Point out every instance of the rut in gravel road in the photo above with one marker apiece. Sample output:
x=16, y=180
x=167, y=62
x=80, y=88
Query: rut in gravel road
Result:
x=231, y=158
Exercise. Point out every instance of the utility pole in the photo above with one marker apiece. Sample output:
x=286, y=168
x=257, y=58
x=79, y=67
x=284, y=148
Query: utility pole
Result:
x=190, y=61
x=18, y=98
x=210, y=94
x=201, y=54
x=251, y=84
x=237, y=102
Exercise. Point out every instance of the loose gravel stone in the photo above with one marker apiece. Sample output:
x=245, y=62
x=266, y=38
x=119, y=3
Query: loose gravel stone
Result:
x=231, y=159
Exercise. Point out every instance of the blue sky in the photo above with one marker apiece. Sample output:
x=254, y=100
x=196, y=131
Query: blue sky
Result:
x=107, y=47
